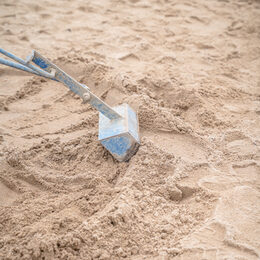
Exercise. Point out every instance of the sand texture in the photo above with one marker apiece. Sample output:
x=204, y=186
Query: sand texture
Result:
x=191, y=69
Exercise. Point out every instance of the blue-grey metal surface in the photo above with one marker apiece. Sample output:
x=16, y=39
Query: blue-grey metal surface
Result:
x=121, y=147
x=120, y=137
x=133, y=126
x=108, y=128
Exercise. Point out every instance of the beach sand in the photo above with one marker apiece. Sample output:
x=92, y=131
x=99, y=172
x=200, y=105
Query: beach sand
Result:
x=191, y=69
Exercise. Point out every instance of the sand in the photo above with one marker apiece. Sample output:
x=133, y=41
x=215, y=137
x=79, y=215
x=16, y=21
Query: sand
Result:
x=191, y=69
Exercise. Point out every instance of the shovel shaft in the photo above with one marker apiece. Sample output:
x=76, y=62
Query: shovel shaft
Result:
x=74, y=85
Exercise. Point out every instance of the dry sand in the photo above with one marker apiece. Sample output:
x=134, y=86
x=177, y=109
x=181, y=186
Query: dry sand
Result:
x=191, y=70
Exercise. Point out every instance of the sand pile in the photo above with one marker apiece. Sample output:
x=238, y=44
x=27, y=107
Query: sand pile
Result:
x=191, y=71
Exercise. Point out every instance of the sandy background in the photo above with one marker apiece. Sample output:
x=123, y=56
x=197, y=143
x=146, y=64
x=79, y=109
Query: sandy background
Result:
x=191, y=70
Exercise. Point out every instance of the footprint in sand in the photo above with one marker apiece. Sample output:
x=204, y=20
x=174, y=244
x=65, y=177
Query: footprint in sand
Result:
x=242, y=147
x=180, y=145
x=248, y=173
x=130, y=58
x=7, y=196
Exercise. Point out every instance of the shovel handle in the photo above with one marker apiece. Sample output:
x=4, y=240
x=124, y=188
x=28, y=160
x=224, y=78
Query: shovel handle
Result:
x=17, y=66
x=25, y=65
